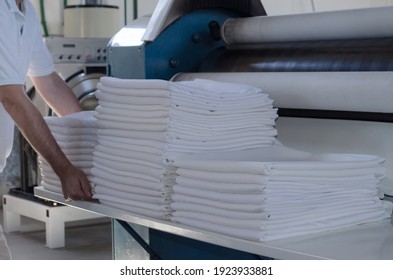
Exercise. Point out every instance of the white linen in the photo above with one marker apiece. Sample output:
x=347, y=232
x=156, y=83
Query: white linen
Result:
x=132, y=196
x=134, y=134
x=76, y=135
x=133, y=203
x=132, y=100
x=79, y=119
x=138, y=92
x=108, y=201
x=128, y=180
x=108, y=110
x=141, y=129
x=134, y=83
x=277, y=192
x=164, y=191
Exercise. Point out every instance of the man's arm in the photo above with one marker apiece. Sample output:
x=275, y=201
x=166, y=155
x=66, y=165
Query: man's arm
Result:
x=57, y=94
x=34, y=128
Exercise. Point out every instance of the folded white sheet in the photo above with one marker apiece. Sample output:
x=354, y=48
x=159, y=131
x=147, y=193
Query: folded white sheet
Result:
x=133, y=100
x=219, y=88
x=152, y=177
x=132, y=126
x=162, y=215
x=159, y=145
x=191, y=137
x=127, y=119
x=52, y=187
x=131, y=188
x=72, y=138
x=105, y=110
x=100, y=190
x=134, y=83
x=276, y=187
x=245, y=207
x=74, y=130
x=79, y=119
x=129, y=180
x=157, y=173
x=200, y=111
x=283, y=222
x=133, y=203
x=252, y=235
x=139, y=92
x=135, y=146
x=134, y=134
x=199, y=208
x=207, y=146
x=76, y=144
x=132, y=107
x=225, y=103
x=193, y=108
x=275, y=157
x=266, y=235
x=154, y=158
x=232, y=126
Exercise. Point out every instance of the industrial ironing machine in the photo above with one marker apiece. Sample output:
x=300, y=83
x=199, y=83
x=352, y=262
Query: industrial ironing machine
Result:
x=329, y=75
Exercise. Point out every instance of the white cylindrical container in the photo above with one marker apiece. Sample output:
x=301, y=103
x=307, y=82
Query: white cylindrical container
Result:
x=91, y=21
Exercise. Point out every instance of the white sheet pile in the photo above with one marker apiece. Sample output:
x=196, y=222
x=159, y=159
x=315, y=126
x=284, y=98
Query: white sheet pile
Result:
x=76, y=135
x=276, y=192
x=129, y=170
x=215, y=116
x=144, y=124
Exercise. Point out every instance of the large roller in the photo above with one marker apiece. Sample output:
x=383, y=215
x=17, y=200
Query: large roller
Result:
x=336, y=25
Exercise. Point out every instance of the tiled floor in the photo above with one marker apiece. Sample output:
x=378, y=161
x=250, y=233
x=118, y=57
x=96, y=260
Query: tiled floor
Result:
x=86, y=241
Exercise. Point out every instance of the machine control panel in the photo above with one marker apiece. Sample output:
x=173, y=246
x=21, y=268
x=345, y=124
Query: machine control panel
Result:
x=78, y=50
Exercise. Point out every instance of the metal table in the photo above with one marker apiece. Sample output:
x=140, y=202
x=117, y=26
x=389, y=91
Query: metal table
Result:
x=373, y=241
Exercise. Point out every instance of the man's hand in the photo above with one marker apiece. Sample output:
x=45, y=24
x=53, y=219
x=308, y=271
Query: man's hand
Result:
x=75, y=184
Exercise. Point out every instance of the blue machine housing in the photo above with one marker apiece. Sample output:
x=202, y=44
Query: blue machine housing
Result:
x=185, y=44
x=181, y=47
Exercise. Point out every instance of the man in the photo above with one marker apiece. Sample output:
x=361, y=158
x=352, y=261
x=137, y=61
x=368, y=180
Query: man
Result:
x=23, y=53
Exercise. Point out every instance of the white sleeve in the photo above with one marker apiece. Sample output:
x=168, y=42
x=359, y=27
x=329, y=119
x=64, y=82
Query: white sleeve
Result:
x=41, y=63
x=9, y=71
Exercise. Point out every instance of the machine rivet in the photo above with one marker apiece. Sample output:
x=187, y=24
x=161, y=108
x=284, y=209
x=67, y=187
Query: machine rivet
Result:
x=196, y=38
x=174, y=63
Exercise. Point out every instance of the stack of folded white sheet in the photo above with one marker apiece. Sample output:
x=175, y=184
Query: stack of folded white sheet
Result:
x=76, y=135
x=129, y=166
x=216, y=116
x=144, y=124
x=277, y=192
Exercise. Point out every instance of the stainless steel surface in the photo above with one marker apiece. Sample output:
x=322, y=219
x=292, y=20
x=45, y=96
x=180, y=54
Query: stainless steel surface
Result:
x=370, y=241
x=84, y=87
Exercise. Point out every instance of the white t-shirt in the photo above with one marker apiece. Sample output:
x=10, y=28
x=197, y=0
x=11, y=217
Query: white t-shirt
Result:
x=22, y=53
